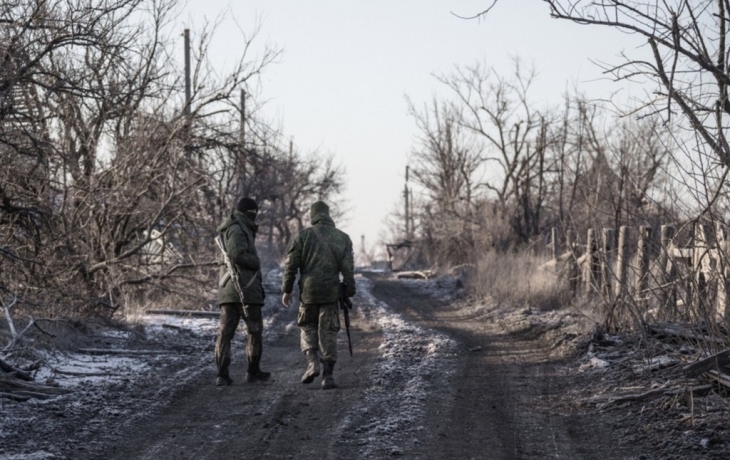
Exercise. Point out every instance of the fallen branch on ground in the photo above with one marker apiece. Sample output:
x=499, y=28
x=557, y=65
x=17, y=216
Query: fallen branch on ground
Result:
x=719, y=378
x=7, y=308
x=23, y=395
x=651, y=394
x=19, y=390
x=14, y=396
x=15, y=372
x=680, y=332
x=109, y=351
x=653, y=364
x=195, y=313
x=85, y=374
x=18, y=336
x=713, y=362
x=421, y=275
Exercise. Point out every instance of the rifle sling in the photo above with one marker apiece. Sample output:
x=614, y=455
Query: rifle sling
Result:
x=233, y=264
x=227, y=276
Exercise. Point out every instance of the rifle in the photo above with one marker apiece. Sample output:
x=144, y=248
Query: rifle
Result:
x=232, y=272
x=346, y=305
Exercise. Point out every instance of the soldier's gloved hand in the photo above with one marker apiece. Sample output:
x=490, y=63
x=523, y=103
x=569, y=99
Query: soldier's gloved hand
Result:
x=348, y=303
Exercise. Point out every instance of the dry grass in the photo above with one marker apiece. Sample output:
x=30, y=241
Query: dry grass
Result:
x=518, y=279
x=526, y=280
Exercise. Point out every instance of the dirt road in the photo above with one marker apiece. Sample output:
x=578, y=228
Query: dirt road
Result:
x=433, y=377
x=508, y=391
x=485, y=394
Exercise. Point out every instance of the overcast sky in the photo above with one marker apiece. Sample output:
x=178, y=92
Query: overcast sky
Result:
x=348, y=66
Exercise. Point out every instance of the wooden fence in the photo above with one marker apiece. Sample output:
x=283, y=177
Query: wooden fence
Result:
x=652, y=271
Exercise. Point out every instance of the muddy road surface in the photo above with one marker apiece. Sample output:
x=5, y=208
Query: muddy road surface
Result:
x=433, y=376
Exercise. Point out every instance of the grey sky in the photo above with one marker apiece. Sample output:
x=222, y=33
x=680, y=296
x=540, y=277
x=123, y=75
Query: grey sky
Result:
x=348, y=65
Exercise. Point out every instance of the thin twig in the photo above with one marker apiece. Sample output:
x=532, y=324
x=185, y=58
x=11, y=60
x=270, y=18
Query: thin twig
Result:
x=478, y=15
x=7, y=308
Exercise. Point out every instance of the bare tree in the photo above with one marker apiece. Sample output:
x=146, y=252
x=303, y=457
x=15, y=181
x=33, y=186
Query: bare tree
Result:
x=514, y=136
x=688, y=59
x=446, y=165
x=609, y=169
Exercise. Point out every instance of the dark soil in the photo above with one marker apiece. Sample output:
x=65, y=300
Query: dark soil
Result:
x=509, y=391
x=505, y=386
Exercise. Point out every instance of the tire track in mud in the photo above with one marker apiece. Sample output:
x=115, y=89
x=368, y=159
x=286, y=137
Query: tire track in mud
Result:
x=507, y=390
x=410, y=372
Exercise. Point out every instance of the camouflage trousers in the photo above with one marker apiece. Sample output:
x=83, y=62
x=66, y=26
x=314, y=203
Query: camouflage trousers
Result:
x=229, y=319
x=318, y=327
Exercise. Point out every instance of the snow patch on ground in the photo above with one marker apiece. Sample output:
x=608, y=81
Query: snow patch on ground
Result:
x=41, y=455
x=139, y=375
x=415, y=364
x=98, y=370
x=72, y=369
x=443, y=288
x=160, y=325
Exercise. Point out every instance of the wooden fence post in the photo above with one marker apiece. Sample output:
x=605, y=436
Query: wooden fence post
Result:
x=609, y=247
x=642, y=283
x=622, y=261
x=701, y=265
x=723, y=286
x=667, y=270
x=591, y=272
x=573, y=273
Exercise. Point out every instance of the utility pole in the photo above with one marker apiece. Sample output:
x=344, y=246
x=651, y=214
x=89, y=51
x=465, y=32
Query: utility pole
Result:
x=188, y=92
x=242, y=142
x=410, y=213
x=406, y=197
x=243, y=120
x=271, y=232
x=188, y=96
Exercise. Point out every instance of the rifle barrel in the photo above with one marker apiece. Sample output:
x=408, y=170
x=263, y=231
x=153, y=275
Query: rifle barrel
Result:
x=346, y=313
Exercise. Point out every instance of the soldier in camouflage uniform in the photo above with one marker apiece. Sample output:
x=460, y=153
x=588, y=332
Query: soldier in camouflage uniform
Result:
x=319, y=253
x=239, y=233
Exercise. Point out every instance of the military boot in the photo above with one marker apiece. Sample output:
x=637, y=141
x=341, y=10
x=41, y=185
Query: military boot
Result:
x=254, y=372
x=223, y=379
x=328, y=382
x=312, y=367
x=257, y=376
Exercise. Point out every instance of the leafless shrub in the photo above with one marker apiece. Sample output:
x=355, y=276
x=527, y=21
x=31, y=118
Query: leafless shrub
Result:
x=112, y=183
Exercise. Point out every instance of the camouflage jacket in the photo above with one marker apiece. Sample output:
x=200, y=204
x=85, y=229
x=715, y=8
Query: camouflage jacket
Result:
x=318, y=271
x=239, y=234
